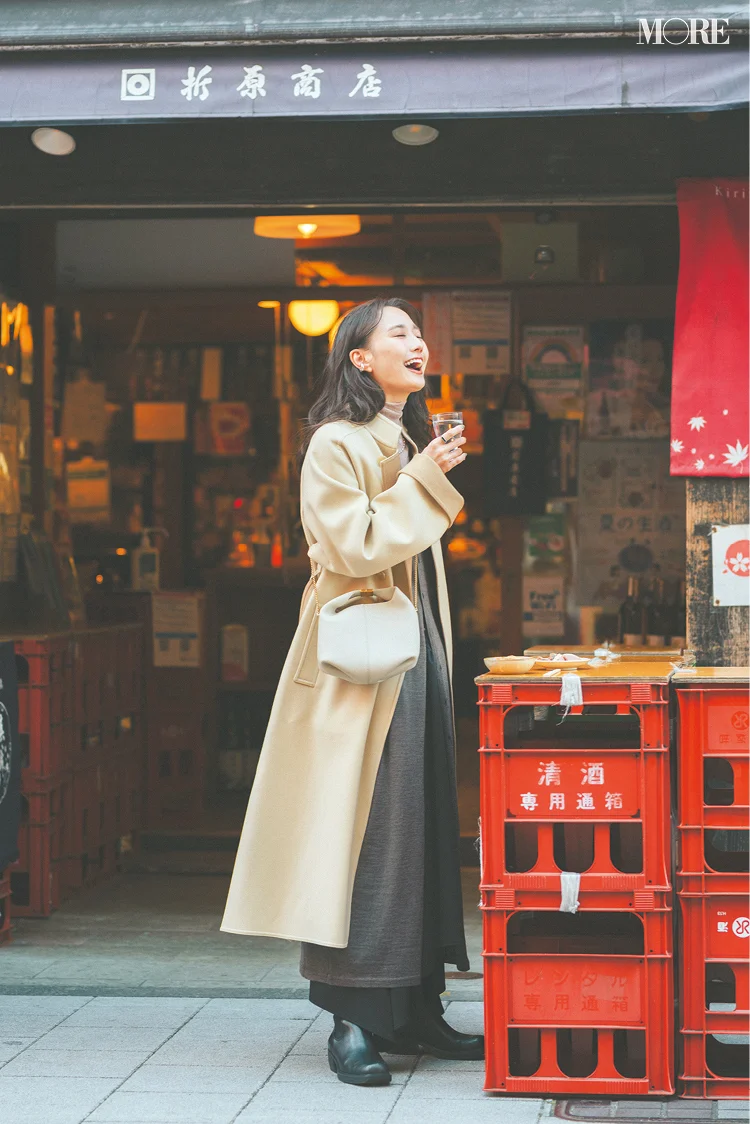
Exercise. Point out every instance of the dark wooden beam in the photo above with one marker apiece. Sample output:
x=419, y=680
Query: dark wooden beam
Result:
x=717, y=634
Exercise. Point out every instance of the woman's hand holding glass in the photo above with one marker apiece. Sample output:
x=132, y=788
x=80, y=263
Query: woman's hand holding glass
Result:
x=446, y=449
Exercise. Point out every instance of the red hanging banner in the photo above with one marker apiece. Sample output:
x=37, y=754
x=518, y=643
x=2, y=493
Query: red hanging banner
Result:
x=710, y=362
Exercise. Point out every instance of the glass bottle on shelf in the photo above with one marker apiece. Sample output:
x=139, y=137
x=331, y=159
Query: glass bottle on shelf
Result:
x=631, y=628
x=678, y=619
x=657, y=623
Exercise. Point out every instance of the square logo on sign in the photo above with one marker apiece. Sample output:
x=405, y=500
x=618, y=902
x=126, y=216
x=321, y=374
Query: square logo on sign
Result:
x=138, y=85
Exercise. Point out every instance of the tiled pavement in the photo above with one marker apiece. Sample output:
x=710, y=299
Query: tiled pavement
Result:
x=158, y=934
x=70, y=1059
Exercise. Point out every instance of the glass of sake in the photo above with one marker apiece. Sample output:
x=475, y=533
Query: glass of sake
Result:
x=441, y=423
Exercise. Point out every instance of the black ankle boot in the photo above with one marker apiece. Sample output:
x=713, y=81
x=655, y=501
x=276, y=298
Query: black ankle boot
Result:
x=432, y=1035
x=353, y=1057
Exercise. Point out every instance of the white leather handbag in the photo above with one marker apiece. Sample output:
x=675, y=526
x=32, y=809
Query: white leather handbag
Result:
x=368, y=635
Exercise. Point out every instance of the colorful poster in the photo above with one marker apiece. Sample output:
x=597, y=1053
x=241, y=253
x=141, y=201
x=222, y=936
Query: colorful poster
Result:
x=631, y=519
x=176, y=629
x=629, y=378
x=710, y=403
x=480, y=322
x=544, y=543
x=229, y=427
x=553, y=364
x=543, y=606
x=730, y=560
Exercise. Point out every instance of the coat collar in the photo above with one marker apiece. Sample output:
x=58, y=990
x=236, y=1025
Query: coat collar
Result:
x=386, y=433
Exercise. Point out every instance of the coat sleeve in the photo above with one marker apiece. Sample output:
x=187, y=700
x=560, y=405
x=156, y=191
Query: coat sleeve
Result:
x=359, y=536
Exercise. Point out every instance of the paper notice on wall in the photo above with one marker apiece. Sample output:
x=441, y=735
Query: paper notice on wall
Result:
x=436, y=329
x=480, y=323
x=88, y=491
x=543, y=606
x=176, y=629
x=730, y=560
x=211, y=367
x=553, y=360
x=159, y=421
x=630, y=519
x=84, y=416
x=10, y=500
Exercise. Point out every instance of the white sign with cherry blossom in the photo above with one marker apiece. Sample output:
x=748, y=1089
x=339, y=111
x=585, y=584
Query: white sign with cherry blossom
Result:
x=730, y=551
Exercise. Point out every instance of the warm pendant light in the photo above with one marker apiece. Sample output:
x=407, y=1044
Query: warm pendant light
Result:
x=313, y=318
x=306, y=226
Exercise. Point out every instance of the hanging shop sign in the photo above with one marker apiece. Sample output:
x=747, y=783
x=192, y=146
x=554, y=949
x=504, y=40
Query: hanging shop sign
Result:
x=730, y=559
x=366, y=81
x=709, y=393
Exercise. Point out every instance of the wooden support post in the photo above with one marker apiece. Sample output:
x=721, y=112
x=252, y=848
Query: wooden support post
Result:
x=717, y=635
x=37, y=284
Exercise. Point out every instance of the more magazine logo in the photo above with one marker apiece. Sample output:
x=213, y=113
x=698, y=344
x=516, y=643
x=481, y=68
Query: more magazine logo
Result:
x=677, y=32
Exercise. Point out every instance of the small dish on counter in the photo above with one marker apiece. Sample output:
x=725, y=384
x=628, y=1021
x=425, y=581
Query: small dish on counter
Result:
x=563, y=665
x=509, y=665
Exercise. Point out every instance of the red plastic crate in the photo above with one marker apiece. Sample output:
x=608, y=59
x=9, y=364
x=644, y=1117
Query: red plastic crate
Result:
x=89, y=810
x=578, y=1003
x=129, y=684
x=35, y=880
x=43, y=738
x=5, y=908
x=714, y=1066
x=548, y=806
x=46, y=661
x=715, y=944
x=44, y=799
x=714, y=757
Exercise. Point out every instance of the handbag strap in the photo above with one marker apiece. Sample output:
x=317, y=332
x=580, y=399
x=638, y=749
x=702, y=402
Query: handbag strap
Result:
x=315, y=583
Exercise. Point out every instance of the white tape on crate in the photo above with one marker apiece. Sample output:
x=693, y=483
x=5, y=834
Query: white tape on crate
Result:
x=570, y=882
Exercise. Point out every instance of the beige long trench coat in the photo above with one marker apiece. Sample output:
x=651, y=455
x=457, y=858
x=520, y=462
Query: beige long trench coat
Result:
x=365, y=519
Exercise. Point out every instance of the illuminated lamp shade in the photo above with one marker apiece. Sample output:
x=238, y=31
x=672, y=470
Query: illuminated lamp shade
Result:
x=54, y=142
x=313, y=318
x=415, y=135
x=306, y=226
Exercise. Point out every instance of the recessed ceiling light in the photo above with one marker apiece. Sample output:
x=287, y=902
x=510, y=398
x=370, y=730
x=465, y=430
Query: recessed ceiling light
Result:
x=53, y=141
x=305, y=226
x=269, y=304
x=415, y=134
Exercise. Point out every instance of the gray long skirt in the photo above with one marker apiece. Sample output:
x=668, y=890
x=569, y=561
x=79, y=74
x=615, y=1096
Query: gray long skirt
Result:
x=407, y=913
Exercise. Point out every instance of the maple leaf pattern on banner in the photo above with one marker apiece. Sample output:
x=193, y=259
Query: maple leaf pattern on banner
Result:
x=710, y=391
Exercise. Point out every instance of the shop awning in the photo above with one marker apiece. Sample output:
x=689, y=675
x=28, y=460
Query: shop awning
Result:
x=501, y=79
x=54, y=23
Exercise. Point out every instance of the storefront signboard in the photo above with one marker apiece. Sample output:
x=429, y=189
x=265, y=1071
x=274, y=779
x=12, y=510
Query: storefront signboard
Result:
x=369, y=81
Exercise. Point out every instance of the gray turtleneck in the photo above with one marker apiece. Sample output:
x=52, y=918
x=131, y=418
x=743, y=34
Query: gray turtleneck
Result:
x=394, y=411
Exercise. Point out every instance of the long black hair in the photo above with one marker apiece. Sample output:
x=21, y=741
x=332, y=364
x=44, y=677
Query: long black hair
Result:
x=349, y=394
